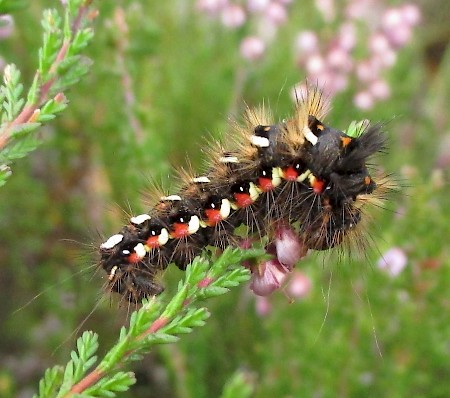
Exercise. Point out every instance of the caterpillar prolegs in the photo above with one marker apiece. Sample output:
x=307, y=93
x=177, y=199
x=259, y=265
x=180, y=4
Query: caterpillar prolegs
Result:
x=300, y=173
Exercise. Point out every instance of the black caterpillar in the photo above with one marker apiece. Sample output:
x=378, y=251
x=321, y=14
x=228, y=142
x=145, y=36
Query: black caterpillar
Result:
x=300, y=172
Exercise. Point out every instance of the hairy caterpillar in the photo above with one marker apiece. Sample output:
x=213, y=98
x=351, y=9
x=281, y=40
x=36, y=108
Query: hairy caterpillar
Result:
x=300, y=172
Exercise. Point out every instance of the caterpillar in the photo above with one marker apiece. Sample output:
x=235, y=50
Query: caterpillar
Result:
x=300, y=172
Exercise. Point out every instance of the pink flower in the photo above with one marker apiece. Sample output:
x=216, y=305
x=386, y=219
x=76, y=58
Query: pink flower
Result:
x=364, y=100
x=6, y=26
x=267, y=277
x=347, y=36
x=299, y=285
x=211, y=7
x=411, y=14
x=380, y=89
x=326, y=7
x=378, y=43
x=339, y=58
x=307, y=42
x=393, y=261
x=276, y=13
x=252, y=48
x=263, y=306
x=233, y=16
x=289, y=249
x=257, y=5
x=315, y=64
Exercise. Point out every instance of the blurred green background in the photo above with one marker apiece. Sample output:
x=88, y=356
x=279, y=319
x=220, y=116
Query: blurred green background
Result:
x=165, y=79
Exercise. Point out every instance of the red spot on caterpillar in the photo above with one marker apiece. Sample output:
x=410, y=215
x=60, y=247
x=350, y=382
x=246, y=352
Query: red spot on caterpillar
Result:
x=243, y=199
x=290, y=174
x=318, y=186
x=213, y=216
x=133, y=258
x=180, y=230
x=153, y=242
x=265, y=184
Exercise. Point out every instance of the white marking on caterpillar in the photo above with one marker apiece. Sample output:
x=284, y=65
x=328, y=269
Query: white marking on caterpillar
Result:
x=201, y=179
x=261, y=142
x=140, y=219
x=229, y=159
x=194, y=225
x=276, y=176
x=139, y=249
x=112, y=273
x=171, y=198
x=302, y=177
x=163, y=237
x=112, y=241
x=225, y=209
x=309, y=135
x=253, y=191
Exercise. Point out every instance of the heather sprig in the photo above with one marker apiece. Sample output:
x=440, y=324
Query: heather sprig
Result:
x=156, y=322
x=60, y=65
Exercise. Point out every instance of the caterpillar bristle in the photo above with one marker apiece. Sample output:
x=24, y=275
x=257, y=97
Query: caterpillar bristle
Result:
x=298, y=173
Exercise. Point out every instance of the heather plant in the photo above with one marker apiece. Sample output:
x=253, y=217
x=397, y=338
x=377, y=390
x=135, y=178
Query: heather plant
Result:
x=162, y=77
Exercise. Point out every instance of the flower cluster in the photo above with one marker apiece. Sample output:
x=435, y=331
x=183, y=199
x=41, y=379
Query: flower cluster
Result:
x=367, y=27
x=285, y=251
x=265, y=15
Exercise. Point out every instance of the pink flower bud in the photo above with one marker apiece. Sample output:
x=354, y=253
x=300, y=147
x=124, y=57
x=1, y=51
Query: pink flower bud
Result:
x=391, y=19
x=339, y=58
x=379, y=44
x=299, y=285
x=233, y=16
x=276, y=13
x=347, y=36
x=385, y=60
x=315, y=64
x=393, y=261
x=263, y=306
x=257, y=5
x=267, y=277
x=337, y=83
x=6, y=26
x=411, y=14
x=326, y=8
x=307, y=42
x=400, y=36
x=380, y=89
x=252, y=48
x=367, y=71
x=363, y=100
x=211, y=7
x=289, y=248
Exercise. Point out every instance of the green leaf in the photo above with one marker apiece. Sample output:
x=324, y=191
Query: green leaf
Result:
x=50, y=383
x=80, y=41
x=107, y=387
x=10, y=93
x=240, y=385
x=19, y=148
x=8, y=6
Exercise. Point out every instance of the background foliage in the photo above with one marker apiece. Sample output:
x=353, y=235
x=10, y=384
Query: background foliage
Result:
x=163, y=78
